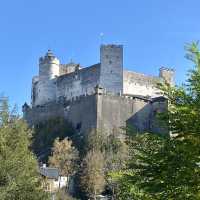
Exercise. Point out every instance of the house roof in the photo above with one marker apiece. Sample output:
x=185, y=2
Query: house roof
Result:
x=52, y=173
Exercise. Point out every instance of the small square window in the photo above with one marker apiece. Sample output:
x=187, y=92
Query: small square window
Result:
x=78, y=126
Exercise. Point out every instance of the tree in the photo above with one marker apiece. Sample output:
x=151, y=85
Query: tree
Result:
x=116, y=155
x=114, y=151
x=168, y=167
x=62, y=195
x=45, y=133
x=184, y=101
x=64, y=157
x=92, y=176
x=160, y=168
x=95, y=140
x=19, y=177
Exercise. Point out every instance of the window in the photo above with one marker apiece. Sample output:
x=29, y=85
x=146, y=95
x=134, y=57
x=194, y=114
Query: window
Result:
x=78, y=126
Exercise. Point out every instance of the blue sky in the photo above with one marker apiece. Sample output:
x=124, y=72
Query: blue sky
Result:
x=153, y=33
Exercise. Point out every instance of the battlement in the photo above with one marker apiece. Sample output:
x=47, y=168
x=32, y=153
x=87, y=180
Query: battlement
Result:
x=111, y=46
x=167, y=74
x=166, y=69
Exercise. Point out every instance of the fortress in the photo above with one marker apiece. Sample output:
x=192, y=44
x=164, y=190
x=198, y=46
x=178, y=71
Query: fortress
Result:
x=103, y=96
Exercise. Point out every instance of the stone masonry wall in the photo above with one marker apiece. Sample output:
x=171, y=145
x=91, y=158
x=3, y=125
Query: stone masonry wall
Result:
x=101, y=111
x=81, y=112
x=111, y=76
x=140, y=84
x=115, y=112
x=78, y=83
x=38, y=114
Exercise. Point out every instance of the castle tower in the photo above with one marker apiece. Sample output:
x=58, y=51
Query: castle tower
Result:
x=167, y=75
x=44, y=88
x=48, y=66
x=111, y=73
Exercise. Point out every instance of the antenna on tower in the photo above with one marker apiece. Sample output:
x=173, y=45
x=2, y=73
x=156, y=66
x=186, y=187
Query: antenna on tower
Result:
x=71, y=60
x=49, y=46
x=101, y=37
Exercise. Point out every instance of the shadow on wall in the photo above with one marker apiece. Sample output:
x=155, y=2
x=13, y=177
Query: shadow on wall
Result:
x=148, y=118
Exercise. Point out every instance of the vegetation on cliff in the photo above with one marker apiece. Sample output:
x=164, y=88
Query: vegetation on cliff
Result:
x=19, y=177
x=45, y=133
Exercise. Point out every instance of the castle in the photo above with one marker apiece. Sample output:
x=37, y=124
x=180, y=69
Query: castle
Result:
x=103, y=96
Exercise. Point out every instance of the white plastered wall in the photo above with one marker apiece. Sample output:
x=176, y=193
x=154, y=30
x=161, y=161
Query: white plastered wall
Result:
x=139, y=84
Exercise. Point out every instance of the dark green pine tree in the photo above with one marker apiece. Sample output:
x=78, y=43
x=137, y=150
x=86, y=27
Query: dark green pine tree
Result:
x=19, y=177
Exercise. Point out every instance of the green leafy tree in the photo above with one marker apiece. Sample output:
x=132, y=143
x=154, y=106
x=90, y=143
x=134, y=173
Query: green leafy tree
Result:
x=19, y=177
x=168, y=167
x=184, y=101
x=116, y=155
x=160, y=168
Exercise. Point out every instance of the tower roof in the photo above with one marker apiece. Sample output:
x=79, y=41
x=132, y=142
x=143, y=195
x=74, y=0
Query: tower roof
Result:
x=49, y=54
x=49, y=57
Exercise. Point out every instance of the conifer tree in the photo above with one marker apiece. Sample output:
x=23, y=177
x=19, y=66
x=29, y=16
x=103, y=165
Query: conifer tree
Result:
x=168, y=167
x=19, y=176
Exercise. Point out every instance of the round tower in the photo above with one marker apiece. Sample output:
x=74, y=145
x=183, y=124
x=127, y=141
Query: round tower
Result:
x=48, y=66
x=45, y=88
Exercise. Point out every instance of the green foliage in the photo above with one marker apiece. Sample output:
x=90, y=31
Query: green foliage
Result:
x=110, y=145
x=184, y=102
x=19, y=177
x=45, y=133
x=114, y=152
x=95, y=140
x=161, y=168
x=168, y=167
x=62, y=195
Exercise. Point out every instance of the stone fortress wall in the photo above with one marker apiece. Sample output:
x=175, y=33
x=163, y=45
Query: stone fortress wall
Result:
x=102, y=111
x=102, y=96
